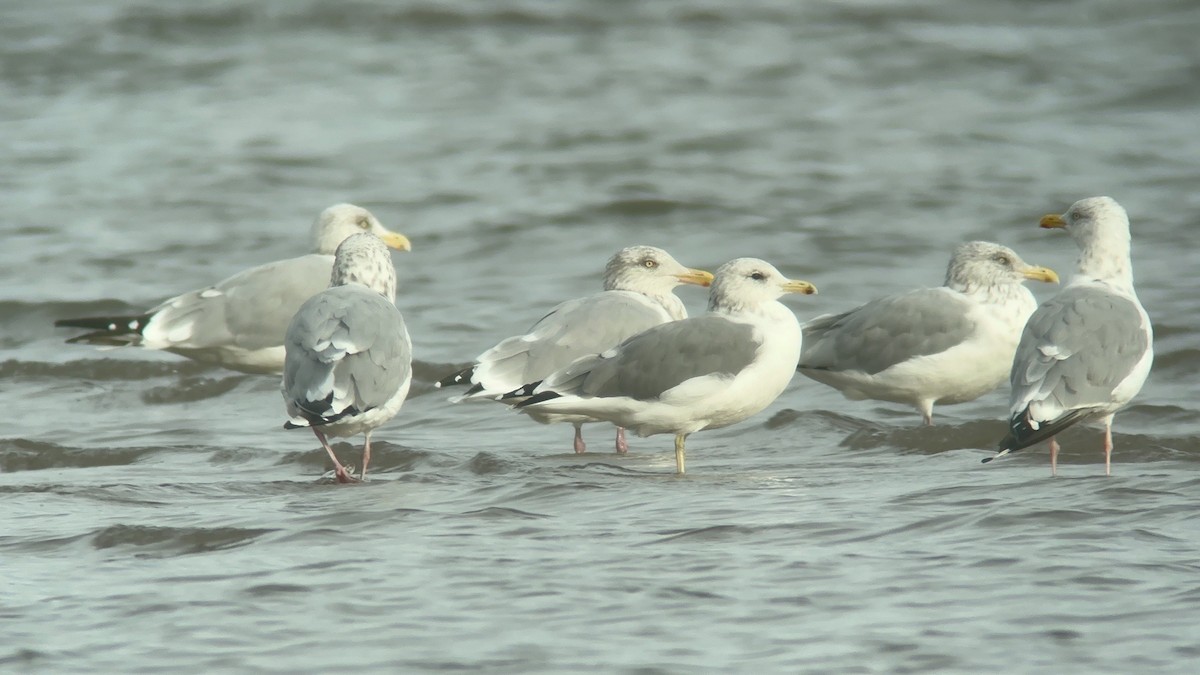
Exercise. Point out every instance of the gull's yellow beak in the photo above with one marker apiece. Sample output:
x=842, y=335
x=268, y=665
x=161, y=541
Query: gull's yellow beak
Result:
x=698, y=277
x=396, y=240
x=1040, y=274
x=1052, y=220
x=796, y=286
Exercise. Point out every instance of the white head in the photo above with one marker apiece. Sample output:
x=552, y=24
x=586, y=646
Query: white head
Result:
x=649, y=270
x=982, y=265
x=1100, y=228
x=342, y=220
x=747, y=283
x=363, y=259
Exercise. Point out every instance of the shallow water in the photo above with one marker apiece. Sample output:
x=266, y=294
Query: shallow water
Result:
x=157, y=518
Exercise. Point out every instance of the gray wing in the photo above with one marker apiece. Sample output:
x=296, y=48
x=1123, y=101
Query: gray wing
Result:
x=348, y=351
x=887, y=331
x=1076, y=348
x=572, y=329
x=648, y=364
x=250, y=310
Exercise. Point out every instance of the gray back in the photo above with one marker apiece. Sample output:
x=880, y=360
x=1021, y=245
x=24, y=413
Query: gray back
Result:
x=652, y=362
x=1101, y=337
x=347, y=339
x=887, y=331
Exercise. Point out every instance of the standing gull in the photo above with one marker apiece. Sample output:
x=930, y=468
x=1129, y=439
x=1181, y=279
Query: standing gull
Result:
x=932, y=345
x=1086, y=352
x=349, y=357
x=638, y=294
x=685, y=376
x=239, y=323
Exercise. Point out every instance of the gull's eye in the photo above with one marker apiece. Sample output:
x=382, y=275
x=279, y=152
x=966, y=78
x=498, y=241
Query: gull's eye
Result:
x=1003, y=259
x=758, y=276
x=649, y=263
x=364, y=223
x=1074, y=215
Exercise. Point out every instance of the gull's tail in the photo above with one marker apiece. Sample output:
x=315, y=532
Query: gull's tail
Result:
x=1024, y=431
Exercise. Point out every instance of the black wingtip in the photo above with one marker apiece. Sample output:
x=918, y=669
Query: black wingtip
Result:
x=460, y=377
x=292, y=425
x=524, y=392
x=108, y=325
x=538, y=398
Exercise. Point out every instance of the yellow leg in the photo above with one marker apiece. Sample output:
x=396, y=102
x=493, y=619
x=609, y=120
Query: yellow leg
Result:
x=679, y=452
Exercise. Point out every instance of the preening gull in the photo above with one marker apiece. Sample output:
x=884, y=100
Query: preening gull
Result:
x=685, y=376
x=932, y=345
x=1086, y=352
x=638, y=294
x=239, y=323
x=349, y=358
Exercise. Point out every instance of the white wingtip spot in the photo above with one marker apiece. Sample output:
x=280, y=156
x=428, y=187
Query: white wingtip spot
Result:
x=210, y=293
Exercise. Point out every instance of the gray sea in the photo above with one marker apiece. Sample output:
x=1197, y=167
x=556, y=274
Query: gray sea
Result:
x=155, y=517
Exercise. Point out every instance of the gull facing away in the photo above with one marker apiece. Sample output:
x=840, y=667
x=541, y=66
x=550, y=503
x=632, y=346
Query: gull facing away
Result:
x=239, y=323
x=685, y=376
x=349, y=358
x=932, y=345
x=639, y=283
x=1086, y=352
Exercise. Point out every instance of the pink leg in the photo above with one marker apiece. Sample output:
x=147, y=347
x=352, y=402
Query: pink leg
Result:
x=340, y=471
x=1053, y=456
x=622, y=444
x=580, y=446
x=366, y=457
x=1108, y=446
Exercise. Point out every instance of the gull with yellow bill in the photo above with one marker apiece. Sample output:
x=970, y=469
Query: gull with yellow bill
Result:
x=1086, y=352
x=942, y=345
x=705, y=372
x=639, y=283
x=239, y=323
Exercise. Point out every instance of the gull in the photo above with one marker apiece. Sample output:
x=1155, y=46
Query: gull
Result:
x=638, y=293
x=943, y=345
x=348, y=363
x=1086, y=352
x=685, y=376
x=239, y=323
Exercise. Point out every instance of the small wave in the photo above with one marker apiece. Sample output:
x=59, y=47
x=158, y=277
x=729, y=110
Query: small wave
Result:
x=485, y=463
x=101, y=369
x=193, y=389
x=176, y=23
x=19, y=454
x=504, y=513
x=928, y=440
x=22, y=656
x=385, y=457
x=170, y=541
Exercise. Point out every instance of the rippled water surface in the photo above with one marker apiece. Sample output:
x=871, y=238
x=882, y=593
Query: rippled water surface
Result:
x=156, y=518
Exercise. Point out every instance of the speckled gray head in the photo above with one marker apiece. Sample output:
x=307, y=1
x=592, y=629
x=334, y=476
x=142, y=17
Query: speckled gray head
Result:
x=1100, y=228
x=745, y=283
x=342, y=220
x=364, y=259
x=1091, y=218
x=977, y=264
x=649, y=270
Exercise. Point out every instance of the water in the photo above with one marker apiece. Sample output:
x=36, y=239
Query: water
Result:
x=156, y=517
